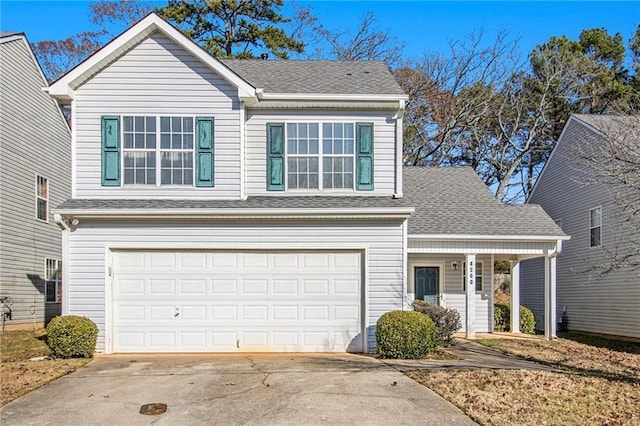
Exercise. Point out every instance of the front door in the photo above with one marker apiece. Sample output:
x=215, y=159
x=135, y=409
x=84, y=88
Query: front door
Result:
x=427, y=283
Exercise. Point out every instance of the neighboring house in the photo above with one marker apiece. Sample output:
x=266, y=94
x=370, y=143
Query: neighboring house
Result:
x=35, y=176
x=573, y=194
x=259, y=205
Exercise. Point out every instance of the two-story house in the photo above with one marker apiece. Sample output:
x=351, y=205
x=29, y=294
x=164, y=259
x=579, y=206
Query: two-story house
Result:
x=241, y=205
x=596, y=293
x=35, y=176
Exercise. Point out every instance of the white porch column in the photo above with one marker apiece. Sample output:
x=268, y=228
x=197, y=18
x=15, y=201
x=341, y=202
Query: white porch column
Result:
x=470, y=304
x=515, y=296
x=549, y=297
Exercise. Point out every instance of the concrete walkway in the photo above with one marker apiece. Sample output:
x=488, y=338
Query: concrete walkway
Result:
x=471, y=355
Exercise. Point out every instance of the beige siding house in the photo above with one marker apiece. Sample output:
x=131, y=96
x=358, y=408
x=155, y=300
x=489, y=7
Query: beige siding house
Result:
x=250, y=205
x=35, y=177
x=572, y=194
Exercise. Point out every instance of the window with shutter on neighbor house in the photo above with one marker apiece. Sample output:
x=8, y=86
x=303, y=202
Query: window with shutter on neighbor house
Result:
x=319, y=156
x=158, y=151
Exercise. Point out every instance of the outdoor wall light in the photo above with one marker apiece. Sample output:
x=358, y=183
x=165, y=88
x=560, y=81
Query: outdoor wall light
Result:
x=454, y=265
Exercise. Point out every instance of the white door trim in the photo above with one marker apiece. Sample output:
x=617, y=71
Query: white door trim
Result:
x=411, y=290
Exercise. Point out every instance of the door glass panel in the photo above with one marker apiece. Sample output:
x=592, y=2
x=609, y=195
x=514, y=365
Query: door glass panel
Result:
x=427, y=286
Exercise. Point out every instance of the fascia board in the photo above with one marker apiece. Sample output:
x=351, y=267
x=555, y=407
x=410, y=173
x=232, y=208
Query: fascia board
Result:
x=390, y=212
x=142, y=29
x=471, y=237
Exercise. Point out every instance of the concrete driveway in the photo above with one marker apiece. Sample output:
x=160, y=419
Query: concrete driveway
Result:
x=254, y=389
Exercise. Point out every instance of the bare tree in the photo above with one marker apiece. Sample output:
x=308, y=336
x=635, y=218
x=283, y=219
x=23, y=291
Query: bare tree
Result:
x=366, y=43
x=613, y=161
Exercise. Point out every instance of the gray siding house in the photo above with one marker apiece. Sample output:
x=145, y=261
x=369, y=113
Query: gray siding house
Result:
x=573, y=194
x=35, y=176
x=235, y=206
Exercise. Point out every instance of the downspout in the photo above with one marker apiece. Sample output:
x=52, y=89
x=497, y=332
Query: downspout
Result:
x=64, y=226
x=399, y=116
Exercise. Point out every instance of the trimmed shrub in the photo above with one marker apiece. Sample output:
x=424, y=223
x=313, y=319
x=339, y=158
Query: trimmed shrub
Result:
x=502, y=318
x=405, y=335
x=527, y=321
x=447, y=321
x=71, y=336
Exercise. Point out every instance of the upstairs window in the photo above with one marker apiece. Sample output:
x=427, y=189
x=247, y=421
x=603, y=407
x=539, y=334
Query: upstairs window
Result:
x=167, y=142
x=158, y=151
x=320, y=156
x=42, y=198
x=53, y=280
x=595, y=227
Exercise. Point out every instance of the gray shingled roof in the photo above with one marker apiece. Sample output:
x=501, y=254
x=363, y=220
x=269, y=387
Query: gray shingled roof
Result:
x=622, y=127
x=456, y=201
x=326, y=77
x=447, y=201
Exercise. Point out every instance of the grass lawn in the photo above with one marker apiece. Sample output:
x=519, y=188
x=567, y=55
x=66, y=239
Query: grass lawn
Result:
x=19, y=375
x=595, y=385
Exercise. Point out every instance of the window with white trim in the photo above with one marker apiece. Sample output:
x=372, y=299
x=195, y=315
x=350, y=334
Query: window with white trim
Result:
x=53, y=280
x=158, y=150
x=595, y=227
x=326, y=151
x=479, y=266
x=42, y=198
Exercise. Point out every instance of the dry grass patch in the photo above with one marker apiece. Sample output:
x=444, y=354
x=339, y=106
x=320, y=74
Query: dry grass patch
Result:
x=572, y=355
x=517, y=397
x=594, y=385
x=19, y=375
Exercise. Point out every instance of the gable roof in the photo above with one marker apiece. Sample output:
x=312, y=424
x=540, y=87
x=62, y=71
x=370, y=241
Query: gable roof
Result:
x=10, y=33
x=328, y=77
x=63, y=87
x=254, y=79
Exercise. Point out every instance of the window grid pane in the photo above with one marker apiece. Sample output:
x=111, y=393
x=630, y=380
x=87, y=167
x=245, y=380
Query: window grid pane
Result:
x=53, y=280
x=176, y=155
x=303, y=149
x=338, y=150
x=42, y=198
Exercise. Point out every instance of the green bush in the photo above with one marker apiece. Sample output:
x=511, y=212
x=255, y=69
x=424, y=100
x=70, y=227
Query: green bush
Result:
x=447, y=321
x=527, y=321
x=72, y=336
x=502, y=318
x=405, y=335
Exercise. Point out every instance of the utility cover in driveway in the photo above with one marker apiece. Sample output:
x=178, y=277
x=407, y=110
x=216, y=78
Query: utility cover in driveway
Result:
x=245, y=301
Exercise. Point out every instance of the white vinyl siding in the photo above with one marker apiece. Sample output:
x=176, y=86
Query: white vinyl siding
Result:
x=453, y=296
x=34, y=140
x=384, y=145
x=381, y=241
x=157, y=78
x=607, y=304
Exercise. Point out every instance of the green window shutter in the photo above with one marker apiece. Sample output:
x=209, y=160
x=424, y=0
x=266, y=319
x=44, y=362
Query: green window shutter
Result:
x=110, y=150
x=204, y=151
x=364, y=156
x=275, y=157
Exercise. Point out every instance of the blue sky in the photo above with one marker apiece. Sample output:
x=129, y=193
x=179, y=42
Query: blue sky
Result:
x=421, y=25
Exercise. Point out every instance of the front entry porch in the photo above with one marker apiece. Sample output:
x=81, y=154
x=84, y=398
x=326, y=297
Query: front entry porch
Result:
x=457, y=273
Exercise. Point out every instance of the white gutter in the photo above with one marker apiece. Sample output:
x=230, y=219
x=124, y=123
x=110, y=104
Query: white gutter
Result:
x=386, y=212
x=329, y=97
x=470, y=237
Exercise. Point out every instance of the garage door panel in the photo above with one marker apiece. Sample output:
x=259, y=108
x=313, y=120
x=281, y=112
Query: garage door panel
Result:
x=244, y=301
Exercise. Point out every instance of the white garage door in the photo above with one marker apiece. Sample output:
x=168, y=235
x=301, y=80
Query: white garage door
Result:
x=196, y=301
